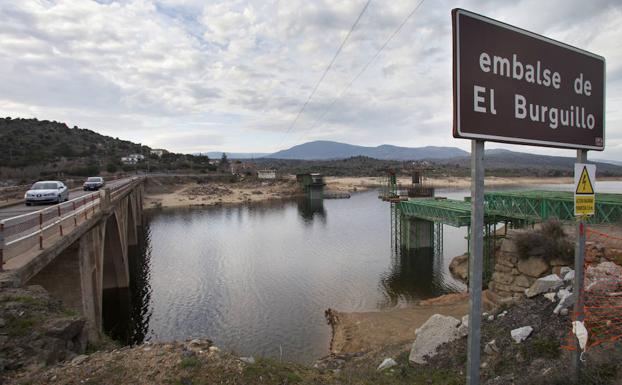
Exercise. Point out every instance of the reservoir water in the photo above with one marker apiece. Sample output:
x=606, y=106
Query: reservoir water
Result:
x=256, y=279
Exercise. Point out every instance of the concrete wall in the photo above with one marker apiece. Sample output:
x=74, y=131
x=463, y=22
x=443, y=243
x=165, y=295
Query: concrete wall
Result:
x=512, y=275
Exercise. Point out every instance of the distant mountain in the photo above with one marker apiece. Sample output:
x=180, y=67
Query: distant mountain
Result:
x=616, y=162
x=512, y=160
x=234, y=155
x=327, y=150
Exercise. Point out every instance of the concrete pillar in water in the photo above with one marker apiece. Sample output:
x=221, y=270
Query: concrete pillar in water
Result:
x=417, y=233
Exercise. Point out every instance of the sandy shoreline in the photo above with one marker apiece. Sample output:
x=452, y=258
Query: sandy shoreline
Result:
x=190, y=194
x=354, y=332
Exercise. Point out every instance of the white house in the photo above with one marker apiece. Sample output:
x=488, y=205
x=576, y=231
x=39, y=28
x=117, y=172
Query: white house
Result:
x=266, y=174
x=158, y=152
x=132, y=158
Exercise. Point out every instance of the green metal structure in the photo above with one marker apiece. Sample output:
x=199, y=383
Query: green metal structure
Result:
x=538, y=206
x=516, y=207
x=513, y=208
x=389, y=188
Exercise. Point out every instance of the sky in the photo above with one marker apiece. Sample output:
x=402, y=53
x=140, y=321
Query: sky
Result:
x=197, y=76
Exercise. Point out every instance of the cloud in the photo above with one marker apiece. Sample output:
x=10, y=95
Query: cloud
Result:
x=191, y=76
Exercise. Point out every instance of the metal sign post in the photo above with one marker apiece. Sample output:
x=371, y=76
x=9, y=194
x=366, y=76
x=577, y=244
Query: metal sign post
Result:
x=579, y=260
x=476, y=261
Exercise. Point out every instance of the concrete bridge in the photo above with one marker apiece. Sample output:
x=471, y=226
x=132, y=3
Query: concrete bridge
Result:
x=75, y=249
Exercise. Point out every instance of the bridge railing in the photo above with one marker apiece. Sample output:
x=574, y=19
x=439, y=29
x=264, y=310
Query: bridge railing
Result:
x=35, y=230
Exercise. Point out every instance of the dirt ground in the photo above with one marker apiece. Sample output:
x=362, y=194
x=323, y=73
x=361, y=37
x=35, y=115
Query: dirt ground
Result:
x=364, y=331
x=185, y=193
x=215, y=193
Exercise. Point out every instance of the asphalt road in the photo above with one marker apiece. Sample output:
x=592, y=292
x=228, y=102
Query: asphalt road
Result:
x=19, y=209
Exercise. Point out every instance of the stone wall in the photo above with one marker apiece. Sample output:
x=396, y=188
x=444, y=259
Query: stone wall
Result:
x=512, y=275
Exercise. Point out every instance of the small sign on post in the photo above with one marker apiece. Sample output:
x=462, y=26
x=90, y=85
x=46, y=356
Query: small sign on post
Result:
x=584, y=198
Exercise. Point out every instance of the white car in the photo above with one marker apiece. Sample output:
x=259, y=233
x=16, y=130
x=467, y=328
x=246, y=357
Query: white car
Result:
x=47, y=191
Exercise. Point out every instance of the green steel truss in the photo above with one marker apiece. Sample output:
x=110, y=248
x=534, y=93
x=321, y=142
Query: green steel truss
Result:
x=448, y=211
x=538, y=206
x=518, y=207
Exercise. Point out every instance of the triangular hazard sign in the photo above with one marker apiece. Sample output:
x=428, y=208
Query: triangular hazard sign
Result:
x=585, y=184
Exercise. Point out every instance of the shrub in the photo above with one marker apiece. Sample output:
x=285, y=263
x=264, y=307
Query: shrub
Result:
x=548, y=243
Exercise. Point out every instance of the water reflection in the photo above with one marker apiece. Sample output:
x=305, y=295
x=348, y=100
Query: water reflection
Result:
x=414, y=274
x=257, y=278
x=126, y=311
x=309, y=209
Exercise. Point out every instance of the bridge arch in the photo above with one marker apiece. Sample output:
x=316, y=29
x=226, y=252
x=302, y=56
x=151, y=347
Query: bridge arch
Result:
x=115, y=271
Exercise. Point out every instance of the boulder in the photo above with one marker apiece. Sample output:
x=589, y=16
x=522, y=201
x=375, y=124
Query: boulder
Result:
x=249, y=360
x=564, y=312
x=65, y=328
x=503, y=268
x=533, y=266
x=502, y=278
x=613, y=254
x=459, y=268
x=550, y=296
x=523, y=281
x=564, y=270
x=387, y=364
x=569, y=277
x=544, y=284
x=604, y=276
x=508, y=246
x=79, y=359
x=463, y=329
x=491, y=348
x=566, y=299
x=593, y=252
x=437, y=330
x=506, y=259
x=519, y=335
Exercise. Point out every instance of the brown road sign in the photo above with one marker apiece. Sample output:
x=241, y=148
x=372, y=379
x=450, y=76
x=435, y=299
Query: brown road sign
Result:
x=515, y=86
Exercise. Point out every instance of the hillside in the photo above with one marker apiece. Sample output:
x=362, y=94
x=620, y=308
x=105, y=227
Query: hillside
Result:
x=27, y=142
x=327, y=150
x=31, y=148
x=520, y=163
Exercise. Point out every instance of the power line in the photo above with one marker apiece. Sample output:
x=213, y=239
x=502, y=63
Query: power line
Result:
x=317, y=84
x=364, y=68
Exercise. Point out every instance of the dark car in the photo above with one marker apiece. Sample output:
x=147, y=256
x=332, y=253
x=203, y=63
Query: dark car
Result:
x=93, y=183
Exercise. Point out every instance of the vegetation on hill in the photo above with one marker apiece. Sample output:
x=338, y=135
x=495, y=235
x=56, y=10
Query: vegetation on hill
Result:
x=31, y=148
x=456, y=167
x=41, y=149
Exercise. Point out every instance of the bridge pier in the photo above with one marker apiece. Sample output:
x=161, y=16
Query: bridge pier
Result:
x=75, y=277
x=417, y=233
x=95, y=261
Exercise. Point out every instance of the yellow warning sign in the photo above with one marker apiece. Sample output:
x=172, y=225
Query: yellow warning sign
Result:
x=584, y=205
x=585, y=184
x=584, y=187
